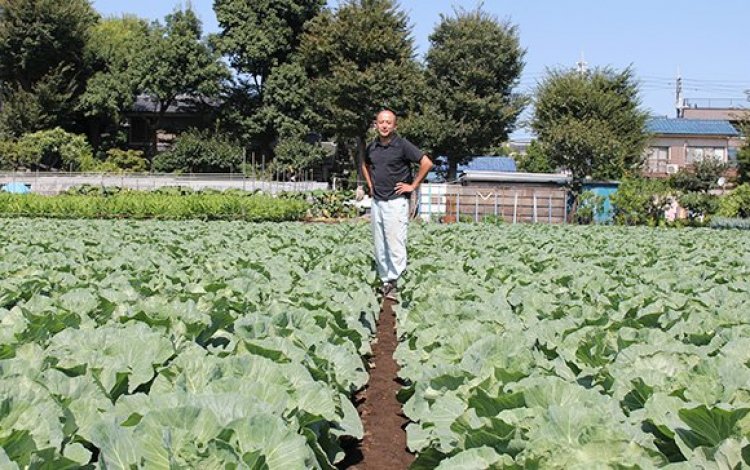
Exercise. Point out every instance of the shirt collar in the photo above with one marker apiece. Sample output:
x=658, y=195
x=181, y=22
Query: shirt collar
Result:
x=395, y=141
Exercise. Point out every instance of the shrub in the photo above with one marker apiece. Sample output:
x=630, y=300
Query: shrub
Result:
x=699, y=205
x=55, y=149
x=701, y=177
x=127, y=160
x=589, y=204
x=10, y=157
x=640, y=201
x=199, y=151
x=293, y=155
x=737, y=203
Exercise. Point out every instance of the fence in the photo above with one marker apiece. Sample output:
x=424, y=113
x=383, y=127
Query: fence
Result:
x=509, y=203
x=55, y=183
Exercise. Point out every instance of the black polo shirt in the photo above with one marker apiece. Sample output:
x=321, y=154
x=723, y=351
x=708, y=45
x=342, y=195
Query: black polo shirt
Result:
x=390, y=164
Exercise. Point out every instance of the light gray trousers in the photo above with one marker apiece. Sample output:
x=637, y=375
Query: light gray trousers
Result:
x=389, y=222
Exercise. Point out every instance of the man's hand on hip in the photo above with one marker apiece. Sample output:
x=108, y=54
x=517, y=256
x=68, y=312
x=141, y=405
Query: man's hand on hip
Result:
x=404, y=188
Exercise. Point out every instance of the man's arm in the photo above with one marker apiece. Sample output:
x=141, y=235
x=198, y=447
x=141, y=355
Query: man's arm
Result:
x=368, y=178
x=425, y=165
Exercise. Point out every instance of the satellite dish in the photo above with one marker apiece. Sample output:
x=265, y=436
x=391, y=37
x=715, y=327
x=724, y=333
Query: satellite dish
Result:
x=722, y=181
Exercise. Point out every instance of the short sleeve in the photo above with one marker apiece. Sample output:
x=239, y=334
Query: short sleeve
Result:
x=411, y=152
x=368, y=160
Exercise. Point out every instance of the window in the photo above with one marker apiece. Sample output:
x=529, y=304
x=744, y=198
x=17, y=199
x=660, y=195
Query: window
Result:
x=657, y=159
x=697, y=154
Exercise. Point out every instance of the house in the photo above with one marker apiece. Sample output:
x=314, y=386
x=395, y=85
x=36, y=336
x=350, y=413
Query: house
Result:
x=679, y=142
x=144, y=127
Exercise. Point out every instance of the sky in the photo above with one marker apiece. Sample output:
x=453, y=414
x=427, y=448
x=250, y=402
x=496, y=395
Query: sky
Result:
x=706, y=43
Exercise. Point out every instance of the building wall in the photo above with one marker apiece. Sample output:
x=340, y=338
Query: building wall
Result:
x=680, y=150
x=729, y=114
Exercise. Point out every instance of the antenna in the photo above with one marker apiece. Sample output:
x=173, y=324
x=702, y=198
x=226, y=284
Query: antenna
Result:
x=582, y=65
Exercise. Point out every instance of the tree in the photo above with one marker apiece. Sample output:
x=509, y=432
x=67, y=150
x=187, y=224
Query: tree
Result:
x=112, y=52
x=473, y=63
x=743, y=164
x=175, y=62
x=360, y=58
x=590, y=123
x=535, y=160
x=260, y=40
x=42, y=67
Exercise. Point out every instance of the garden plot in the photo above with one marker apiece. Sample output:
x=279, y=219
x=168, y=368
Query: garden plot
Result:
x=565, y=347
x=190, y=344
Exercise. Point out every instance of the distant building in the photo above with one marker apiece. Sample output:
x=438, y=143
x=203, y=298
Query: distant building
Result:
x=184, y=113
x=677, y=143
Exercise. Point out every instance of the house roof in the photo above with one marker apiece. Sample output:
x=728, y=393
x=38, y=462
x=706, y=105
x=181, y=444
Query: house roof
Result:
x=514, y=177
x=182, y=104
x=503, y=164
x=677, y=126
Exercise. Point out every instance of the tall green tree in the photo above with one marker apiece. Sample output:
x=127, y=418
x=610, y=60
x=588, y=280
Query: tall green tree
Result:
x=473, y=64
x=591, y=123
x=42, y=65
x=112, y=52
x=360, y=58
x=176, y=61
x=271, y=100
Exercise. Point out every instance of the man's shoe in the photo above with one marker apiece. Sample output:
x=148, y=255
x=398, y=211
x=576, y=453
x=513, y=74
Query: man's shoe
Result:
x=392, y=294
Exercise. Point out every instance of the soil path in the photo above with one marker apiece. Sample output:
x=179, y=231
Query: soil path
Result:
x=384, y=444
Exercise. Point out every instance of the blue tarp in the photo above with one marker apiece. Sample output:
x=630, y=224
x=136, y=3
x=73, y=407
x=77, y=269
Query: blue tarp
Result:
x=16, y=188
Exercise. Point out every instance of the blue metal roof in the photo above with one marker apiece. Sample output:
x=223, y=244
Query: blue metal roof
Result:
x=691, y=127
x=505, y=164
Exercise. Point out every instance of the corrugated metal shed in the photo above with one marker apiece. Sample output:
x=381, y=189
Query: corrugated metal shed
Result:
x=676, y=126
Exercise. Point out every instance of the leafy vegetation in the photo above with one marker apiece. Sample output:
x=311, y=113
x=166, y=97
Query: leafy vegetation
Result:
x=113, y=203
x=200, y=151
x=561, y=347
x=736, y=203
x=640, y=201
x=201, y=345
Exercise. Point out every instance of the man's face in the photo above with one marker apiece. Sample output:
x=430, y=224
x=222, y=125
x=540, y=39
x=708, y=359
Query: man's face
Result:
x=386, y=123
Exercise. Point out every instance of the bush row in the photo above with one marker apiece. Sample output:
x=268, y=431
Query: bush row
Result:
x=641, y=201
x=131, y=204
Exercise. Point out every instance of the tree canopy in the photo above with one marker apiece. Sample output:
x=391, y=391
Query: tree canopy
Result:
x=591, y=123
x=178, y=62
x=360, y=58
x=473, y=63
x=42, y=66
x=271, y=99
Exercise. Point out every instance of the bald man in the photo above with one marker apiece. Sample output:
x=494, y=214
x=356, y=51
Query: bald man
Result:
x=387, y=171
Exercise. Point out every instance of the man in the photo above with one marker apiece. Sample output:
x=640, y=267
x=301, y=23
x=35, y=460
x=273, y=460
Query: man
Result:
x=387, y=171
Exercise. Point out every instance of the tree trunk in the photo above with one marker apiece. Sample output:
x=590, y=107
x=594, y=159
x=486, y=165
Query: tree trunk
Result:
x=452, y=170
x=94, y=133
x=360, y=158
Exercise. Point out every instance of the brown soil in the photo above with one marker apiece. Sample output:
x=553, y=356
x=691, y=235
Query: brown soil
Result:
x=384, y=444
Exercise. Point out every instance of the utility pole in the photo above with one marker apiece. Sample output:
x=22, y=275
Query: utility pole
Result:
x=679, y=99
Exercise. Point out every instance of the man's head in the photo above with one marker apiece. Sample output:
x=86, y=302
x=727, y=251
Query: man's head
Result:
x=385, y=122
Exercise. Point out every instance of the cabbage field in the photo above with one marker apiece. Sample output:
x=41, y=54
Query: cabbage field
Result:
x=180, y=344
x=153, y=344
x=577, y=347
